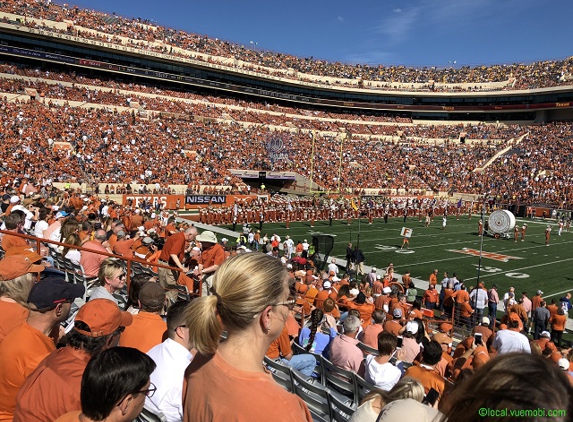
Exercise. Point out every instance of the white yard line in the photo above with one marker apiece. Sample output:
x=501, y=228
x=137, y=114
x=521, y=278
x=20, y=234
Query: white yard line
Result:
x=519, y=269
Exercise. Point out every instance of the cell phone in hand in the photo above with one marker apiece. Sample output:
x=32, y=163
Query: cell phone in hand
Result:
x=431, y=397
x=478, y=339
x=400, y=341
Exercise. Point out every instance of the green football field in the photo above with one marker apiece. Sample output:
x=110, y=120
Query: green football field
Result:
x=527, y=265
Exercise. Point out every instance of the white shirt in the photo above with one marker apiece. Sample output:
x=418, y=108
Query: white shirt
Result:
x=479, y=297
x=382, y=376
x=172, y=359
x=507, y=341
x=74, y=255
x=333, y=267
x=40, y=228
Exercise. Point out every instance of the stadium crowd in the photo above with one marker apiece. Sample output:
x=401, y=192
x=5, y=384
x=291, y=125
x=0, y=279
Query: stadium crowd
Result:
x=120, y=148
x=147, y=36
x=345, y=316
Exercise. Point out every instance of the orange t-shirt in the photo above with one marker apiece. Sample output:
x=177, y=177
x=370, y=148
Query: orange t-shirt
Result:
x=20, y=353
x=208, y=376
x=429, y=378
x=9, y=241
x=558, y=322
x=123, y=248
x=320, y=298
x=280, y=346
x=146, y=331
x=461, y=296
x=12, y=314
x=215, y=255
x=365, y=309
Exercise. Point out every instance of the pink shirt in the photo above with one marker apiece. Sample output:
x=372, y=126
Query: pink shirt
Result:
x=345, y=354
x=370, y=335
x=91, y=261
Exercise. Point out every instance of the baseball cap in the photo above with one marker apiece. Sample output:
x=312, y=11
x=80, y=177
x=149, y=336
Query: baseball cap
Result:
x=327, y=285
x=410, y=410
x=152, y=294
x=397, y=313
x=485, y=320
x=61, y=214
x=545, y=334
x=387, y=290
x=444, y=326
x=207, y=236
x=563, y=364
x=147, y=240
x=53, y=290
x=539, y=292
x=412, y=327
x=15, y=266
x=103, y=317
x=14, y=199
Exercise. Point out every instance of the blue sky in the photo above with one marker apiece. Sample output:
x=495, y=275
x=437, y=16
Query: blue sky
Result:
x=390, y=32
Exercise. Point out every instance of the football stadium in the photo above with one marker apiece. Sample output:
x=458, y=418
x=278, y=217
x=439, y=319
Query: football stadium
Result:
x=196, y=230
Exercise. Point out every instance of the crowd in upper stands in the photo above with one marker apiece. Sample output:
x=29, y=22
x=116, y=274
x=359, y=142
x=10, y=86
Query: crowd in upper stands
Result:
x=142, y=34
x=122, y=147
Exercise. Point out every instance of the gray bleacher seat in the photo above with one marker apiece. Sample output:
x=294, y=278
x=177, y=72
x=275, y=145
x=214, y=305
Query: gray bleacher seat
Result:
x=281, y=373
x=340, y=381
x=339, y=410
x=314, y=395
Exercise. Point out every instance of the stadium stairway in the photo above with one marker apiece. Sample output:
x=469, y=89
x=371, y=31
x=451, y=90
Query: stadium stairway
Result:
x=219, y=231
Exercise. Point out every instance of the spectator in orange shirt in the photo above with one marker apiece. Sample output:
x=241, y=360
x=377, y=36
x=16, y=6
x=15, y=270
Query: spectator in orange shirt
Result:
x=366, y=309
x=558, y=326
x=370, y=334
x=431, y=297
x=426, y=372
x=53, y=389
x=434, y=277
x=124, y=243
x=26, y=345
x=13, y=224
x=251, y=299
x=16, y=281
x=212, y=256
x=148, y=328
x=115, y=384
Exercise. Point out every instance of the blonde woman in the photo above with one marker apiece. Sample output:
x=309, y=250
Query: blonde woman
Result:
x=251, y=300
x=111, y=278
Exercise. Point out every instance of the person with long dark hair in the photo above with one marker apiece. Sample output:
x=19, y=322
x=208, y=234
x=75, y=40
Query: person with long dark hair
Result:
x=312, y=338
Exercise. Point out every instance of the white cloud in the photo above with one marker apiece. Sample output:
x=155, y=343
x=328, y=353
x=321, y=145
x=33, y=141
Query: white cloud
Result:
x=340, y=19
x=397, y=10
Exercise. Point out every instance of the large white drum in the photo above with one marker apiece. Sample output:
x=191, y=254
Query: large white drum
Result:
x=501, y=221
